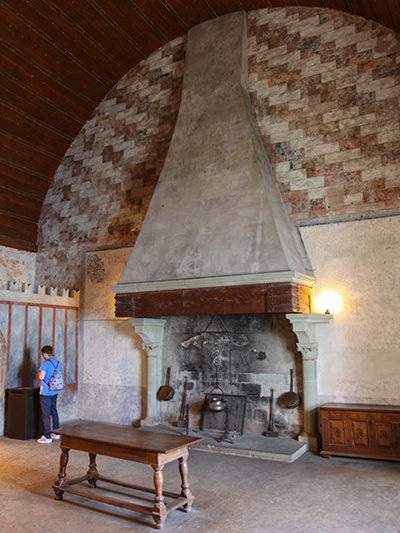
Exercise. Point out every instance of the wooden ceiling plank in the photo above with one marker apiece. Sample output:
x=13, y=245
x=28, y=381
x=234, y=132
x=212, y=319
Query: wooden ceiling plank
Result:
x=12, y=118
x=72, y=41
x=47, y=56
x=56, y=27
x=136, y=30
x=101, y=30
x=284, y=3
x=223, y=7
x=16, y=180
x=376, y=11
x=20, y=244
x=189, y=13
x=394, y=10
x=21, y=126
x=18, y=67
x=251, y=5
x=15, y=94
x=15, y=152
x=18, y=227
x=42, y=33
x=20, y=203
x=155, y=13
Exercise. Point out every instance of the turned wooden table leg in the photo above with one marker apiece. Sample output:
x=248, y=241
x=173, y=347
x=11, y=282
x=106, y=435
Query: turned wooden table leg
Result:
x=92, y=473
x=184, y=471
x=61, y=475
x=159, y=510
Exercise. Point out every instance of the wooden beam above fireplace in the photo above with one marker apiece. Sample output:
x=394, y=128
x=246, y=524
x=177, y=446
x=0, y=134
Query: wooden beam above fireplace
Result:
x=285, y=297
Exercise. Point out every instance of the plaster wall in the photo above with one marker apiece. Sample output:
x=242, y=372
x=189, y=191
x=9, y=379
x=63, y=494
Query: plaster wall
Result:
x=17, y=265
x=360, y=260
x=113, y=366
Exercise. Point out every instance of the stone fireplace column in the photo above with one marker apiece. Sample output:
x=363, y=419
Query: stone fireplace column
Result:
x=307, y=328
x=151, y=331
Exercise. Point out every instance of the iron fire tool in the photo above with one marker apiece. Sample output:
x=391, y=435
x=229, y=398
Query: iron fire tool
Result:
x=186, y=419
x=270, y=431
x=183, y=419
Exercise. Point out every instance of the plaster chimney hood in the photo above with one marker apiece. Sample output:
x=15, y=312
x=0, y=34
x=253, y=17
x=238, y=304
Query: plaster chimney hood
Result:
x=216, y=238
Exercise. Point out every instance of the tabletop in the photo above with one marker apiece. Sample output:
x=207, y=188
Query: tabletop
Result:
x=128, y=437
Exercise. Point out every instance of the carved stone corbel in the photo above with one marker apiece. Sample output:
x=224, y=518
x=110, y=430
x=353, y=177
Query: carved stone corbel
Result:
x=306, y=327
x=151, y=331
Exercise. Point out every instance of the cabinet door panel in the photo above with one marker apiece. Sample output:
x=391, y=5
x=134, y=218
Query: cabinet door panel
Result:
x=383, y=435
x=359, y=432
x=336, y=432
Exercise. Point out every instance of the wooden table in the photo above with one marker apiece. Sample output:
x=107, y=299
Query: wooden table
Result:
x=143, y=446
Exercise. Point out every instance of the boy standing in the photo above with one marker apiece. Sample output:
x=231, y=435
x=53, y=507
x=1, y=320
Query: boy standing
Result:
x=48, y=398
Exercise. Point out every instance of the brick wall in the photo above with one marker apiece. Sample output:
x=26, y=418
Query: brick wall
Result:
x=325, y=87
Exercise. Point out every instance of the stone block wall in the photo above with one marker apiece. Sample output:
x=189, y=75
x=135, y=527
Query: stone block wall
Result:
x=325, y=86
x=102, y=188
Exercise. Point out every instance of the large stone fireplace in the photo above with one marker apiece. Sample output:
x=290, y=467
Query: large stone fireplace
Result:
x=217, y=245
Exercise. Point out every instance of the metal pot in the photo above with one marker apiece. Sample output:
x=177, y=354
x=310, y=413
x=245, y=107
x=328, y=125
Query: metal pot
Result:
x=216, y=404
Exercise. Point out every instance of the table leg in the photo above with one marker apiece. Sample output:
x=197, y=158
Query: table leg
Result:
x=159, y=510
x=92, y=472
x=61, y=475
x=184, y=471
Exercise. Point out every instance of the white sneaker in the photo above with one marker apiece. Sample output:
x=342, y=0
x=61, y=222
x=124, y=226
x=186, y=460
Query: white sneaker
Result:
x=55, y=436
x=44, y=440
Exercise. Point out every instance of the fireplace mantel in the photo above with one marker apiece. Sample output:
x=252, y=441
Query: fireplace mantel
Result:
x=234, y=297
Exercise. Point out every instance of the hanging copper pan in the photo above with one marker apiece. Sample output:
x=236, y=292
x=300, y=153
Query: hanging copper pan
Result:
x=166, y=392
x=290, y=399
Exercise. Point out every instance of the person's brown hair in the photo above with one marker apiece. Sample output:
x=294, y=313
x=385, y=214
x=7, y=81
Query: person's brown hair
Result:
x=47, y=349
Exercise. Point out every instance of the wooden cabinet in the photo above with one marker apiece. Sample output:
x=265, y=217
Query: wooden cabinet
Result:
x=359, y=430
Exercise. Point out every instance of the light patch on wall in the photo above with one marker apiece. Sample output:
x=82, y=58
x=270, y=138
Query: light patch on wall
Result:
x=330, y=302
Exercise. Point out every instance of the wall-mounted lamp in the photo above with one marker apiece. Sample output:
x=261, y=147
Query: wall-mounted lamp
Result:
x=329, y=302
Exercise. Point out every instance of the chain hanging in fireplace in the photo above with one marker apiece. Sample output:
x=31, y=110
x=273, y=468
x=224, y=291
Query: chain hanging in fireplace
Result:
x=222, y=412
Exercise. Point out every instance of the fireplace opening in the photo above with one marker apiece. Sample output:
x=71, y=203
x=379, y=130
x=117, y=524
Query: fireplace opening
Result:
x=238, y=359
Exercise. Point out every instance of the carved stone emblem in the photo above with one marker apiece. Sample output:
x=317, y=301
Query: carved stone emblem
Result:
x=95, y=269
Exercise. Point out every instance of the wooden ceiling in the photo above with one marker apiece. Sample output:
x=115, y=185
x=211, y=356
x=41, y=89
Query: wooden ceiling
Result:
x=59, y=58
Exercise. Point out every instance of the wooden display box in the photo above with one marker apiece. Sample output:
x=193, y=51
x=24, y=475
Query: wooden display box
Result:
x=360, y=430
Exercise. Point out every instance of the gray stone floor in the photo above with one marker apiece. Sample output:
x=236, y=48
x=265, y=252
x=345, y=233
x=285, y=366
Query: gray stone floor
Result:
x=232, y=494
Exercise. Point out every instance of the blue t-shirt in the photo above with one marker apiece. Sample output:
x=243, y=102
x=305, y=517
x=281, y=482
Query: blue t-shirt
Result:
x=48, y=366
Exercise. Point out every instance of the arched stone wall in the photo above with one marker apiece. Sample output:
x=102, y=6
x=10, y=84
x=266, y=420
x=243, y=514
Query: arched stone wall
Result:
x=325, y=89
